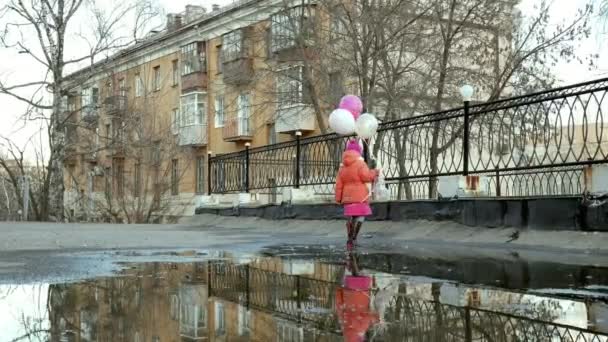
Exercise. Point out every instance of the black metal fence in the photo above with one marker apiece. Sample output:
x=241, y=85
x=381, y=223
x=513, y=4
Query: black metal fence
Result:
x=310, y=301
x=512, y=143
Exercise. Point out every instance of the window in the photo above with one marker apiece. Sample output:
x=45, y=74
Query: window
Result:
x=155, y=339
x=220, y=322
x=289, y=332
x=119, y=172
x=175, y=121
x=175, y=73
x=272, y=134
x=193, y=109
x=244, y=105
x=290, y=90
x=193, y=58
x=336, y=90
x=156, y=80
x=90, y=97
x=174, y=307
x=244, y=319
x=137, y=180
x=337, y=29
x=156, y=153
x=139, y=86
x=118, y=133
x=219, y=65
x=174, y=177
x=243, y=113
x=285, y=27
x=232, y=46
x=108, y=134
x=122, y=87
x=219, y=111
x=200, y=175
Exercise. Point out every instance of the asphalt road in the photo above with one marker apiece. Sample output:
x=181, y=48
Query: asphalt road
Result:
x=49, y=252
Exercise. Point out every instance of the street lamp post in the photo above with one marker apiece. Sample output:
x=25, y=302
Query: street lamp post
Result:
x=466, y=91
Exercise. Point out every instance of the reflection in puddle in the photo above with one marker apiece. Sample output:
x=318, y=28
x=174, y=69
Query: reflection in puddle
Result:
x=281, y=299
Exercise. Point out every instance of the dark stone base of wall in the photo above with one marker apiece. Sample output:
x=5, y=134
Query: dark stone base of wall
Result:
x=564, y=213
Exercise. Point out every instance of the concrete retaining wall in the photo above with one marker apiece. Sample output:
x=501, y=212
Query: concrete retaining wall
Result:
x=564, y=213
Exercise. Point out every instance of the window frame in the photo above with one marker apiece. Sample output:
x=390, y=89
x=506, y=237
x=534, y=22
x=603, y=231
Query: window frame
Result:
x=220, y=115
x=156, y=79
x=232, y=46
x=193, y=112
x=283, y=36
x=139, y=86
x=175, y=120
x=175, y=72
x=286, y=99
x=193, y=58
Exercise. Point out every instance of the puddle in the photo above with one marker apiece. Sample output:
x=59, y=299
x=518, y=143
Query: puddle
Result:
x=306, y=297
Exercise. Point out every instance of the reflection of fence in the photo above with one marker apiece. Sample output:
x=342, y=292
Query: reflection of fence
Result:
x=536, y=133
x=417, y=320
x=296, y=297
x=307, y=300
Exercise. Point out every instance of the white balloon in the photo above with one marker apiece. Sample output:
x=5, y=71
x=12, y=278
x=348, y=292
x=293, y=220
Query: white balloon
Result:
x=366, y=126
x=342, y=122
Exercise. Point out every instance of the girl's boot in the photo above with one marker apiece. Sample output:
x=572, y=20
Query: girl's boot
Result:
x=356, y=229
x=350, y=230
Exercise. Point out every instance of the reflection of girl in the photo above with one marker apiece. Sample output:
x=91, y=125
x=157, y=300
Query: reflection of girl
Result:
x=353, y=303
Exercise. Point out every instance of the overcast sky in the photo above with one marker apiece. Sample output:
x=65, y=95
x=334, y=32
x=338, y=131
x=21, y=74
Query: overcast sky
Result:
x=16, y=68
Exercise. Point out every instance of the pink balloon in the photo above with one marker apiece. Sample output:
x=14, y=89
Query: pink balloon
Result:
x=353, y=104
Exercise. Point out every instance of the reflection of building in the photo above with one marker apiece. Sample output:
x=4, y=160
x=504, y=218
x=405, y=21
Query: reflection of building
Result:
x=259, y=301
x=171, y=302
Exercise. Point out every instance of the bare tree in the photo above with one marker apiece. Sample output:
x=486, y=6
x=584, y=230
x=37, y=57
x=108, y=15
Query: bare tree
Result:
x=18, y=164
x=54, y=28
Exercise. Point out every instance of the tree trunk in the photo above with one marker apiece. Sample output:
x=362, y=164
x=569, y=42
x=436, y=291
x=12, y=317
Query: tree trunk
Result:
x=56, y=187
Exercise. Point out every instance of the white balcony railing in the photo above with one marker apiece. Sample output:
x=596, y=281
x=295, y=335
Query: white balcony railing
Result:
x=192, y=135
x=295, y=118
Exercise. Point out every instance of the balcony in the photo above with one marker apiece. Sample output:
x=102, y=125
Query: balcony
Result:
x=295, y=118
x=192, y=135
x=194, y=81
x=89, y=114
x=237, y=129
x=239, y=71
x=115, y=105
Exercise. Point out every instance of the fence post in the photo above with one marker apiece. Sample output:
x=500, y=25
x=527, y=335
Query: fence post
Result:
x=298, y=159
x=468, y=335
x=498, y=194
x=247, y=145
x=298, y=299
x=209, y=154
x=247, y=288
x=209, y=286
x=465, y=139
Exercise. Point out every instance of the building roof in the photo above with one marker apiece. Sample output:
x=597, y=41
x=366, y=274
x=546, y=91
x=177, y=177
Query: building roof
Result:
x=163, y=36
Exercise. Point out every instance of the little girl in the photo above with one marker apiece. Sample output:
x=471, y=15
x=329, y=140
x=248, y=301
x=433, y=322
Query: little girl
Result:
x=352, y=191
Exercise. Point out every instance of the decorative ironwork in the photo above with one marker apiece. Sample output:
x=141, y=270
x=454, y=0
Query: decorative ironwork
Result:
x=558, y=128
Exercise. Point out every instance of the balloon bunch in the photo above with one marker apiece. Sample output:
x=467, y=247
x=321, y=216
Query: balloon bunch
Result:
x=347, y=119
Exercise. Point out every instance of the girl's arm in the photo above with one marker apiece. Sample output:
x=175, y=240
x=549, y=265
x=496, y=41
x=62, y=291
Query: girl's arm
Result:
x=366, y=175
x=339, y=187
